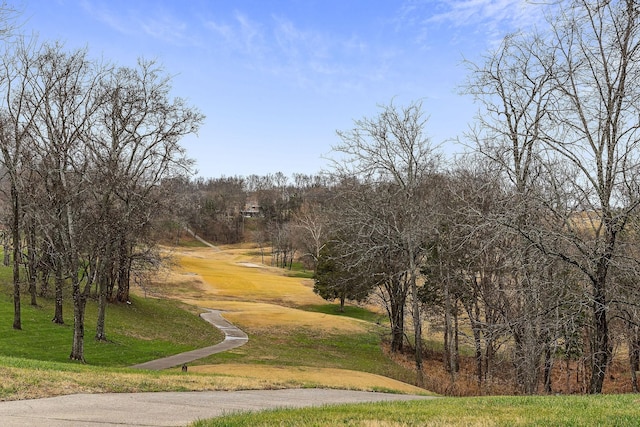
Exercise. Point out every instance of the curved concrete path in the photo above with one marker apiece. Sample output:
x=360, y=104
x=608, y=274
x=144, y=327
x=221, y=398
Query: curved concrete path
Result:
x=201, y=240
x=233, y=337
x=169, y=409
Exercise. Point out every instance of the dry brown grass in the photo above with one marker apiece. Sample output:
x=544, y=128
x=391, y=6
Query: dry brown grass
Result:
x=257, y=316
x=258, y=298
x=20, y=383
x=228, y=276
x=252, y=295
x=312, y=376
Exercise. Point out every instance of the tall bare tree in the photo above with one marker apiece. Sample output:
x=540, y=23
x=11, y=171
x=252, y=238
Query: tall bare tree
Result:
x=392, y=156
x=133, y=146
x=66, y=86
x=18, y=66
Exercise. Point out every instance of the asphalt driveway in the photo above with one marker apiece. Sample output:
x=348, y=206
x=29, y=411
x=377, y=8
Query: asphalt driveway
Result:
x=168, y=409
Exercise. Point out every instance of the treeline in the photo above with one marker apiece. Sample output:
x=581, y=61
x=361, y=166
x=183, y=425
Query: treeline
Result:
x=89, y=153
x=533, y=237
x=273, y=210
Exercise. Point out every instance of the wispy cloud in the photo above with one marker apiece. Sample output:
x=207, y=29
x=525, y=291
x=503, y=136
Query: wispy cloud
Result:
x=509, y=13
x=165, y=27
x=156, y=23
x=491, y=18
x=103, y=14
x=305, y=56
x=240, y=35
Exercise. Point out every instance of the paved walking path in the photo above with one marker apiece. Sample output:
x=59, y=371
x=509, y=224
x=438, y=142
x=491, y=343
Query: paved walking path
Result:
x=168, y=409
x=233, y=337
x=201, y=240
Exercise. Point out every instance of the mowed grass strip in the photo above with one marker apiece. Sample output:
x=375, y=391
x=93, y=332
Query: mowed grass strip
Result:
x=259, y=318
x=232, y=276
x=578, y=411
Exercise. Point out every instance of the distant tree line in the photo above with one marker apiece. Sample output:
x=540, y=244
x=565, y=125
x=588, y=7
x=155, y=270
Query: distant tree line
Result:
x=285, y=220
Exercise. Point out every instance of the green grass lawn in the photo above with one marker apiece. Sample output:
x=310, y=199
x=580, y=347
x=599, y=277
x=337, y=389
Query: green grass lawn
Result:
x=349, y=311
x=143, y=330
x=578, y=411
x=355, y=351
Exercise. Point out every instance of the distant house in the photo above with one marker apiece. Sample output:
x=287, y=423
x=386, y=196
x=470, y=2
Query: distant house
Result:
x=251, y=209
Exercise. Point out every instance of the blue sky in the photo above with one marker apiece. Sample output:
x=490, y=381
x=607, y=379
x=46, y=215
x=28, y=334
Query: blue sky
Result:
x=276, y=79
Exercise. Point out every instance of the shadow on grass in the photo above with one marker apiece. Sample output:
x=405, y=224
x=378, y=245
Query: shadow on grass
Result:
x=349, y=311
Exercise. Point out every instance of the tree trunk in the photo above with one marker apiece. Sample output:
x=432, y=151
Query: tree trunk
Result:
x=417, y=328
x=456, y=339
x=473, y=311
x=44, y=268
x=548, y=367
x=6, y=260
x=32, y=268
x=79, y=305
x=17, y=322
x=101, y=334
x=526, y=359
x=397, y=326
x=57, y=316
x=124, y=271
x=104, y=269
x=601, y=347
x=450, y=344
x=634, y=355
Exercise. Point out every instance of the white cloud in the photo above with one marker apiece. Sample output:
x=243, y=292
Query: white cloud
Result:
x=510, y=14
x=158, y=24
x=304, y=56
x=488, y=20
x=241, y=35
x=102, y=13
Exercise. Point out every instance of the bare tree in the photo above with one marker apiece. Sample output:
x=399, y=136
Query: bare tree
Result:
x=310, y=224
x=133, y=146
x=66, y=86
x=393, y=157
x=17, y=69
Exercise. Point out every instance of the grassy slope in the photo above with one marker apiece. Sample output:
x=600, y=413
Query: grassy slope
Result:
x=143, y=330
x=611, y=410
x=288, y=325
x=34, y=362
x=282, y=353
